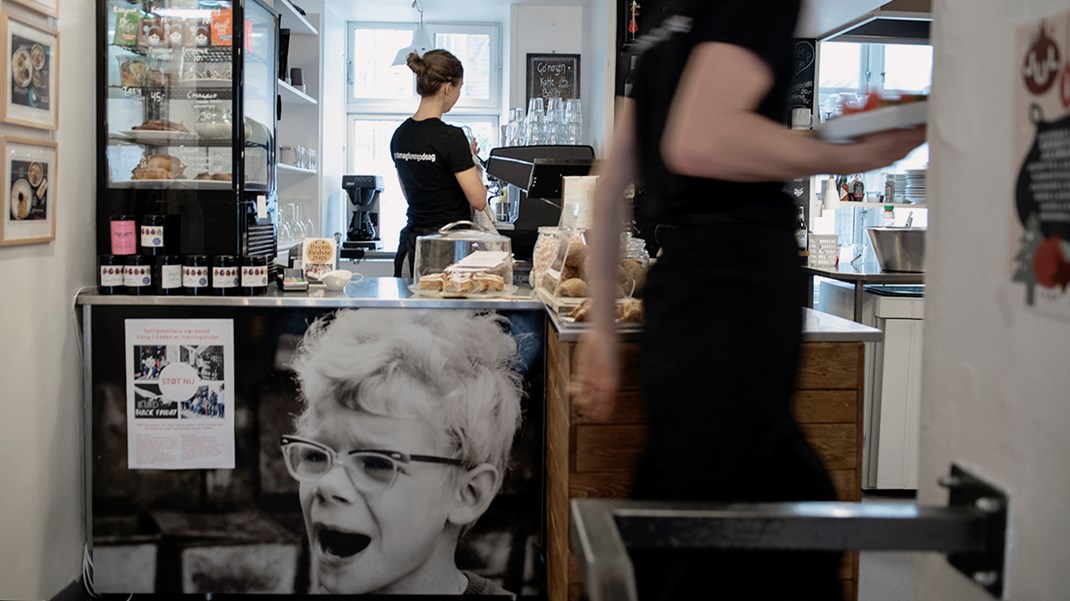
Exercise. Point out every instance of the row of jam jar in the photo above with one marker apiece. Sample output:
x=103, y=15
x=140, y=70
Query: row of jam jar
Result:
x=193, y=275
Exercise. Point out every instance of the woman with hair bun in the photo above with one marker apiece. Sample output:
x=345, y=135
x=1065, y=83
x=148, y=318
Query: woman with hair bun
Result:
x=438, y=173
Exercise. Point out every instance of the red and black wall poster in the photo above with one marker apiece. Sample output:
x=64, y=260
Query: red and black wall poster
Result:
x=1041, y=237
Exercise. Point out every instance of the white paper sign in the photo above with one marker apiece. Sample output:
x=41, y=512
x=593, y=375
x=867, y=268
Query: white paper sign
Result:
x=481, y=260
x=1040, y=240
x=179, y=393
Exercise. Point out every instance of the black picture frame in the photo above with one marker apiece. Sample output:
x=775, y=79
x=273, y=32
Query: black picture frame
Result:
x=553, y=76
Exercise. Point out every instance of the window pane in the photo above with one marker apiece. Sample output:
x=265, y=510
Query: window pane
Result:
x=483, y=128
x=473, y=49
x=369, y=154
x=841, y=65
x=373, y=53
x=908, y=67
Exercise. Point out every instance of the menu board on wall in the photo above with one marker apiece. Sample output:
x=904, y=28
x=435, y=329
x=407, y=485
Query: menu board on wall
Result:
x=1041, y=234
x=804, y=73
x=553, y=76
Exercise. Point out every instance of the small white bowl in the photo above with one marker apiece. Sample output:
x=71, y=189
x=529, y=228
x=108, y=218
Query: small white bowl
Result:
x=337, y=279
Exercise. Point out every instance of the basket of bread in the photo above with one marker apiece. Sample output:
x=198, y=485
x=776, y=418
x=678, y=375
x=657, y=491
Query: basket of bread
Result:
x=463, y=261
x=561, y=273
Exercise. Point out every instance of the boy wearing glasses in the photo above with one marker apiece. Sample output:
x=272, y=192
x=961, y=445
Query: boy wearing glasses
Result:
x=405, y=436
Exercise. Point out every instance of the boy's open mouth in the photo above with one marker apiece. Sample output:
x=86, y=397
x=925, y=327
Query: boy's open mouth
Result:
x=341, y=544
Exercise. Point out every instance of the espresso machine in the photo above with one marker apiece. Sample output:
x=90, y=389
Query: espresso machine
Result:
x=362, y=233
x=533, y=177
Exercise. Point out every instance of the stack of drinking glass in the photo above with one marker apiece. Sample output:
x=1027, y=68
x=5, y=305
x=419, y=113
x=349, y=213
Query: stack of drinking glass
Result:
x=560, y=122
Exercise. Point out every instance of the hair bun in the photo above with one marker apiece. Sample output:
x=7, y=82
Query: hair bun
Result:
x=415, y=62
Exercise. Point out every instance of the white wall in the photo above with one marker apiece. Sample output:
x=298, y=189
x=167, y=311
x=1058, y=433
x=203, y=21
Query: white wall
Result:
x=995, y=385
x=41, y=523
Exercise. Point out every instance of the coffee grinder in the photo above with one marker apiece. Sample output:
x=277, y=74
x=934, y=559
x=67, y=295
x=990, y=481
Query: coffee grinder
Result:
x=362, y=233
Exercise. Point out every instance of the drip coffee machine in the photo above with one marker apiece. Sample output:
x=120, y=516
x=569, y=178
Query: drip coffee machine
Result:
x=362, y=233
x=363, y=192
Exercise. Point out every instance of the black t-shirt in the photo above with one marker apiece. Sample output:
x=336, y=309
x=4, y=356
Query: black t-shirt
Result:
x=765, y=28
x=428, y=154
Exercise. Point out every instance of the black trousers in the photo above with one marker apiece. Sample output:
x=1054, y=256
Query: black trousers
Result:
x=407, y=248
x=719, y=354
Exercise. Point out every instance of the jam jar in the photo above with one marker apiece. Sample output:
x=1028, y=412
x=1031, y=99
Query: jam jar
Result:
x=254, y=276
x=137, y=275
x=225, y=275
x=195, y=272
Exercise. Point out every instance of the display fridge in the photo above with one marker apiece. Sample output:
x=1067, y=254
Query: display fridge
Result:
x=187, y=117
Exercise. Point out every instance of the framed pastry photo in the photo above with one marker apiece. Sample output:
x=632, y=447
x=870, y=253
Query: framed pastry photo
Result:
x=30, y=60
x=46, y=7
x=28, y=186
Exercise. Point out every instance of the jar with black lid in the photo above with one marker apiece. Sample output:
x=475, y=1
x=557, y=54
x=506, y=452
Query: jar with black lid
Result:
x=195, y=273
x=225, y=275
x=168, y=275
x=153, y=234
x=110, y=274
x=254, y=276
x=137, y=275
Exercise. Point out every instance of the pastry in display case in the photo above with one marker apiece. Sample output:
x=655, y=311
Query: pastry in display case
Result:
x=462, y=261
x=188, y=120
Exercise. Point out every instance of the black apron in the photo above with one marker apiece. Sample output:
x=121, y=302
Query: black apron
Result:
x=407, y=247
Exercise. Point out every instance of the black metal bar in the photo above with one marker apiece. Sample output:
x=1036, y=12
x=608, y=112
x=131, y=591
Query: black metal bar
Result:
x=970, y=531
x=814, y=526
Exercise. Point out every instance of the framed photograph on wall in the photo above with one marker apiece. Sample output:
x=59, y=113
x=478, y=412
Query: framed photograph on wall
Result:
x=47, y=7
x=28, y=187
x=30, y=61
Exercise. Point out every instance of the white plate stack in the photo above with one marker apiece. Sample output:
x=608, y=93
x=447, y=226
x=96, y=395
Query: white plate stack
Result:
x=900, y=183
x=916, y=186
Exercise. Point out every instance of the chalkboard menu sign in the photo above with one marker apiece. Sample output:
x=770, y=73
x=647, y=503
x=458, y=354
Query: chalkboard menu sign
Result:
x=801, y=94
x=553, y=76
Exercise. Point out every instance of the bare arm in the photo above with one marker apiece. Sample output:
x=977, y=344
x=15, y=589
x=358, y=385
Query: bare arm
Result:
x=714, y=131
x=473, y=188
x=596, y=369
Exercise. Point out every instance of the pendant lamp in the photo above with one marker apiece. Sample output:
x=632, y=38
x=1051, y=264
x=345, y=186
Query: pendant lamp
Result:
x=421, y=40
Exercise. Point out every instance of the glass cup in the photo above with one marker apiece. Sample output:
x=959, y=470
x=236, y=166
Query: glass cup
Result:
x=573, y=110
x=535, y=107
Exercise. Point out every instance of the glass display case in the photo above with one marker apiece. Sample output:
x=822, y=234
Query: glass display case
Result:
x=187, y=110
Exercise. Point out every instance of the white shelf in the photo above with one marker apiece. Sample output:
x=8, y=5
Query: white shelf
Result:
x=881, y=205
x=291, y=95
x=293, y=20
x=284, y=168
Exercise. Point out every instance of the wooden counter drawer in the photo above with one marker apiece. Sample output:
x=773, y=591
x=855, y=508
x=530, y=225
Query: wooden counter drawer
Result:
x=825, y=406
x=600, y=485
x=830, y=365
x=836, y=444
x=627, y=410
x=607, y=448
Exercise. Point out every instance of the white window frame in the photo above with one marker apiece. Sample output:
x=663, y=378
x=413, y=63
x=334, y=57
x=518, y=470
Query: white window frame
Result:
x=371, y=109
x=465, y=105
x=871, y=71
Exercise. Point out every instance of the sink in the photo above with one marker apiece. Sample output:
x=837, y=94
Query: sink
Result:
x=899, y=248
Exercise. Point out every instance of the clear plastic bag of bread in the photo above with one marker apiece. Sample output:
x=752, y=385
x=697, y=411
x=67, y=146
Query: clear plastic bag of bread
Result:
x=568, y=265
x=629, y=310
x=544, y=254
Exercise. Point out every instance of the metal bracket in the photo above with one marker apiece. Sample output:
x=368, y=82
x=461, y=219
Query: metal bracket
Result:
x=971, y=530
x=984, y=568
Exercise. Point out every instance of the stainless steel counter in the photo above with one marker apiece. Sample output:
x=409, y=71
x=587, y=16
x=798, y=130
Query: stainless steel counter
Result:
x=371, y=292
x=868, y=272
x=394, y=292
x=817, y=327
